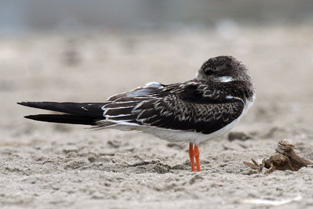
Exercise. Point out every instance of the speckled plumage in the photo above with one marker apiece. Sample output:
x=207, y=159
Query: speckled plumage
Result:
x=205, y=107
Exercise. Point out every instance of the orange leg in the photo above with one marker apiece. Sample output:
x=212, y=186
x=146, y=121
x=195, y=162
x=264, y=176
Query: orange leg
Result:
x=197, y=156
x=192, y=157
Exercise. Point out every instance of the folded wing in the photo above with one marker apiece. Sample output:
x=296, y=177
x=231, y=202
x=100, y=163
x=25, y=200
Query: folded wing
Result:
x=190, y=106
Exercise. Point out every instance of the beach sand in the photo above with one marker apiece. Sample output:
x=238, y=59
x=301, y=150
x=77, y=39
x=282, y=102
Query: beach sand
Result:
x=46, y=165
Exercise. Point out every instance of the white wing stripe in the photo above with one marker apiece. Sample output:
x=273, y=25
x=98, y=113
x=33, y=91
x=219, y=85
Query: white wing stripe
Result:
x=117, y=116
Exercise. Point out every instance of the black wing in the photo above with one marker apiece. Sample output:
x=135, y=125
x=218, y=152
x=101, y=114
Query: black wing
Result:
x=190, y=106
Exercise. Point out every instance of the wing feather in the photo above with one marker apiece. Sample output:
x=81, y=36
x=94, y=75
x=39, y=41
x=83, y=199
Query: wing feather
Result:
x=191, y=106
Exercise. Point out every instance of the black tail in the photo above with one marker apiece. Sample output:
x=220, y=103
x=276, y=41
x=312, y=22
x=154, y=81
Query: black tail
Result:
x=71, y=119
x=76, y=113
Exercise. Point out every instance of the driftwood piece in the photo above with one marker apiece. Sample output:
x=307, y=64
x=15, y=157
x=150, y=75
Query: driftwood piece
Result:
x=284, y=159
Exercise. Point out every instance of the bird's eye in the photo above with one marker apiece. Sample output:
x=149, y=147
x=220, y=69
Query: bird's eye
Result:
x=208, y=72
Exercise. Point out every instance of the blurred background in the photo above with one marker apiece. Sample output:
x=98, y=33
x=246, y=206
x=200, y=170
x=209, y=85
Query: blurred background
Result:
x=18, y=17
x=66, y=50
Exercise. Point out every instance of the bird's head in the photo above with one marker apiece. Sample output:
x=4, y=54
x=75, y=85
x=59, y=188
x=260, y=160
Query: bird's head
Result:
x=222, y=69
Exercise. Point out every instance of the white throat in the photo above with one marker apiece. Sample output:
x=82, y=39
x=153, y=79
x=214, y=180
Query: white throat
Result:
x=225, y=79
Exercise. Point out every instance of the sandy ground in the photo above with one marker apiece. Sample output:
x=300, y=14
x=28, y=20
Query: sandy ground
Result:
x=61, y=166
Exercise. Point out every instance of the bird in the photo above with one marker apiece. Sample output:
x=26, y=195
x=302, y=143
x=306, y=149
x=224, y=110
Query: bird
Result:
x=197, y=110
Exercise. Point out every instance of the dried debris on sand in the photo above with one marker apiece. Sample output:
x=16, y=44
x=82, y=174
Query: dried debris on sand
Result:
x=284, y=159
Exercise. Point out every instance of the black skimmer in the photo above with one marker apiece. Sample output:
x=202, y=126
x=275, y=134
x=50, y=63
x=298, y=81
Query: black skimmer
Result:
x=193, y=111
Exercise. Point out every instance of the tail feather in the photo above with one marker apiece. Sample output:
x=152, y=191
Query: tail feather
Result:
x=75, y=113
x=82, y=109
x=70, y=119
